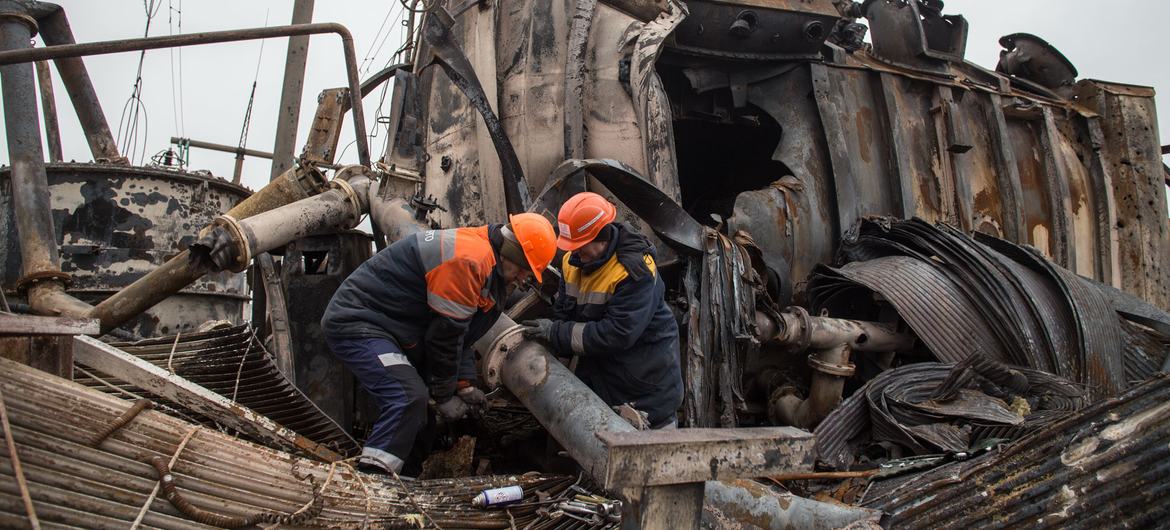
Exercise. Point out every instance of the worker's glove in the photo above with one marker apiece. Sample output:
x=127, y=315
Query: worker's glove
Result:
x=472, y=396
x=539, y=328
x=453, y=409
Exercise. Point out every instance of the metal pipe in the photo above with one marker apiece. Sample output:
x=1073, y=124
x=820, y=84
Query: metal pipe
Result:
x=213, y=37
x=55, y=31
x=212, y=146
x=232, y=243
x=832, y=341
x=178, y=273
x=40, y=263
x=49, y=109
x=284, y=146
x=568, y=409
x=799, y=329
x=831, y=367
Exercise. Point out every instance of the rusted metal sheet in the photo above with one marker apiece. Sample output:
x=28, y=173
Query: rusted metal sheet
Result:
x=1103, y=466
x=115, y=224
x=74, y=484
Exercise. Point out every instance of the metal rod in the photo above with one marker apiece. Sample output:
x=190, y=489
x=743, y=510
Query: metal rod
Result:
x=212, y=146
x=55, y=31
x=49, y=109
x=284, y=146
x=15, y=56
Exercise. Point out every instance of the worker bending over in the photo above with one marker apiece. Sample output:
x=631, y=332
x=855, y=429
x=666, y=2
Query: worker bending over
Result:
x=403, y=322
x=611, y=312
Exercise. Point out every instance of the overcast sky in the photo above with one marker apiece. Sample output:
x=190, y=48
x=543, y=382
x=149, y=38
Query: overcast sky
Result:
x=1119, y=41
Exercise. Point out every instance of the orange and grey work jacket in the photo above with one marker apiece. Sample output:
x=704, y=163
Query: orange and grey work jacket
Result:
x=432, y=293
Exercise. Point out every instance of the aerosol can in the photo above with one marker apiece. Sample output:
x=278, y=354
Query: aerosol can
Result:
x=497, y=496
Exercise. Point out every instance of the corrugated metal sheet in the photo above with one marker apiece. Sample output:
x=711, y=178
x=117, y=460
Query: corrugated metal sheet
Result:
x=964, y=295
x=1105, y=466
x=76, y=486
x=234, y=364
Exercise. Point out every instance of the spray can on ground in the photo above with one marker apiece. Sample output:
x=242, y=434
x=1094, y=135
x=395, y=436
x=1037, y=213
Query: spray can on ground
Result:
x=496, y=496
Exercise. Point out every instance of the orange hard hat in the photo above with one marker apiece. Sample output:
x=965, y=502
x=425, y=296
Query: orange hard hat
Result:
x=582, y=217
x=536, y=238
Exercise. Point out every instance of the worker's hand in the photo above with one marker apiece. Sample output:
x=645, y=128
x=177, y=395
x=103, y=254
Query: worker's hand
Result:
x=539, y=328
x=453, y=409
x=472, y=396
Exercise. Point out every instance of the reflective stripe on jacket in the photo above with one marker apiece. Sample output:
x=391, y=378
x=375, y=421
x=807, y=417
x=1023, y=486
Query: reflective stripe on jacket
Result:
x=430, y=293
x=617, y=320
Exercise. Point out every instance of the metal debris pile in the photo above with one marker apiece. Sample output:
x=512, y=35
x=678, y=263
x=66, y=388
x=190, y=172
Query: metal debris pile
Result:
x=1025, y=342
x=1104, y=466
x=233, y=363
x=74, y=482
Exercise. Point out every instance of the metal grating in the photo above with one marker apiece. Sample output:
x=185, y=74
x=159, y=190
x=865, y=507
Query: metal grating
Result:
x=234, y=364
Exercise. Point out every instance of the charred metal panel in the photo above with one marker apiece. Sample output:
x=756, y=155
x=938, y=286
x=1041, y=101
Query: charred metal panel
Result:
x=311, y=271
x=1129, y=126
x=756, y=29
x=849, y=114
x=610, y=119
x=531, y=47
x=114, y=224
x=804, y=232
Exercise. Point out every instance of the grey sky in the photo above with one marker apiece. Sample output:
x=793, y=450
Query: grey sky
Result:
x=1115, y=41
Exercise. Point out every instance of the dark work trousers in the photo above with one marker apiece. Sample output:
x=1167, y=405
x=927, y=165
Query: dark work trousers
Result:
x=384, y=371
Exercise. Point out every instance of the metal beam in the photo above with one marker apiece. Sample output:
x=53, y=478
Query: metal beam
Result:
x=676, y=456
x=214, y=37
x=49, y=109
x=113, y=361
x=37, y=325
x=284, y=147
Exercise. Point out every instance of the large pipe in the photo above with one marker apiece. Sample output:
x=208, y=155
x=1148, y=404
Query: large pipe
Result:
x=561, y=402
x=284, y=146
x=40, y=263
x=232, y=243
x=213, y=37
x=55, y=31
x=174, y=275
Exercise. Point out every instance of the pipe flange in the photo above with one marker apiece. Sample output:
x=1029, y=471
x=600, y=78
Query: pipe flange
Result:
x=28, y=281
x=801, y=314
x=838, y=370
x=236, y=231
x=493, y=360
x=350, y=197
x=23, y=18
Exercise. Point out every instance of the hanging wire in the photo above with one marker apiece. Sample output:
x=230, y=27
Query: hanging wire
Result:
x=368, y=58
x=252, y=97
x=134, y=112
x=176, y=15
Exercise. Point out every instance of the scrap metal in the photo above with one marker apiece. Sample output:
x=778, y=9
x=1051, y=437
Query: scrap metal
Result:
x=230, y=362
x=1102, y=466
x=73, y=484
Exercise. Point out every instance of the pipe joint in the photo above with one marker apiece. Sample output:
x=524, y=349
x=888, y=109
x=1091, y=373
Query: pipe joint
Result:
x=28, y=281
x=10, y=15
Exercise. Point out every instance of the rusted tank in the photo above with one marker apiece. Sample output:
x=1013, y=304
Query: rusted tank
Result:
x=114, y=224
x=774, y=117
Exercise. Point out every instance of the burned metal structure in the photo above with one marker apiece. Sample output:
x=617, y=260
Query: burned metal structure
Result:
x=898, y=276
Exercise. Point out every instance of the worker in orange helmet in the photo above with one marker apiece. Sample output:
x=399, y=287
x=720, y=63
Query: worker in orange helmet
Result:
x=610, y=310
x=404, y=322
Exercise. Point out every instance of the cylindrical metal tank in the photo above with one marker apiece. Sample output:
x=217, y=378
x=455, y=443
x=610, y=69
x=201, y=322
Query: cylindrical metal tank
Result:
x=115, y=223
